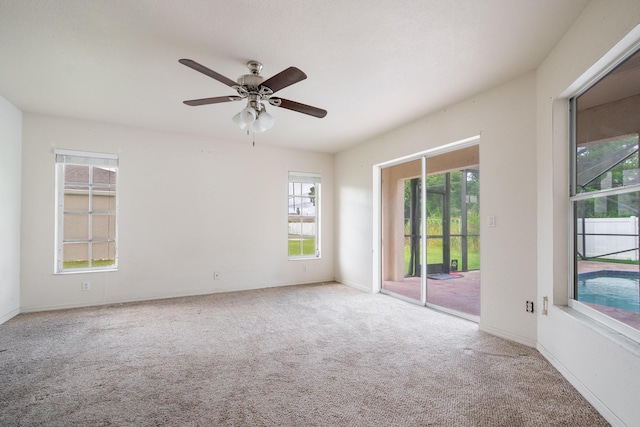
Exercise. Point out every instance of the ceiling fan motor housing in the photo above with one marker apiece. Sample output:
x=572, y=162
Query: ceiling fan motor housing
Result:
x=252, y=81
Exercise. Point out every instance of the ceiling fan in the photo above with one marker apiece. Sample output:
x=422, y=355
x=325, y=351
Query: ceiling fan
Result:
x=257, y=92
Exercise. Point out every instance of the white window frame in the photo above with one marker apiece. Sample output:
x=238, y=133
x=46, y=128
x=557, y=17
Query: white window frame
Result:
x=575, y=197
x=72, y=157
x=315, y=178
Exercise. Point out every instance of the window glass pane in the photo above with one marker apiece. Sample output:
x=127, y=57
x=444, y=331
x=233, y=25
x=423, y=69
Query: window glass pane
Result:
x=603, y=233
x=306, y=188
x=295, y=205
x=104, y=203
x=607, y=255
x=76, y=226
x=104, y=227
x=74, y=174
x=77, y=200
x=103, y=176
x=76, y=255
x=102, y=254
x=295, y=246
x=309, y=246
x=306, y=206
x=608, y=163
x=292, y=204
x=295, y=226
x=612, y=207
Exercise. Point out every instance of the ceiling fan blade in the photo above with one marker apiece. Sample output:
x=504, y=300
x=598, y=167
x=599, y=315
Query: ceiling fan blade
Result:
x=216, y=100
x=204, y=70
x=300, y=108
x=284, y=78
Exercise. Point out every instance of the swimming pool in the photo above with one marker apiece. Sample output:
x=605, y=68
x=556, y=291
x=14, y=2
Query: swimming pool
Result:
x=612, y=288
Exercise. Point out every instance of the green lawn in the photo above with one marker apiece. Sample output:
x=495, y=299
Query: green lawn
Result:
x=308, y=246
x=434, y=255
x=615, y=261
x=85, y=263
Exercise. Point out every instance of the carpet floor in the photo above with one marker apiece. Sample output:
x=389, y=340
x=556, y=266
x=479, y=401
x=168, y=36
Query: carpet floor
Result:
x=312, y=355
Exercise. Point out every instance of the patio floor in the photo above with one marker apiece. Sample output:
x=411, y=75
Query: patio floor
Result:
x=460, y=294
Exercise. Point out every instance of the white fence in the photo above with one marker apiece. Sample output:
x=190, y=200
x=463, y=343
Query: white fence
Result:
x=614, y=238
x=303, y=228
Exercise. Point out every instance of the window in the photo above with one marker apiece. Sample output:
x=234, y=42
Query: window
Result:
x=86, y=211
x=303, y=213
x=605, y=196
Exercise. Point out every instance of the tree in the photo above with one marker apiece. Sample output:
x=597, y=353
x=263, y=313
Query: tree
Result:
x=312, y=193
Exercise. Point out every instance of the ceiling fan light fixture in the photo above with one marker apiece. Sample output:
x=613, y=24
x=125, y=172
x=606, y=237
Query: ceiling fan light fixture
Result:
x=248, y=115
x=237, y=119
x=264, y=122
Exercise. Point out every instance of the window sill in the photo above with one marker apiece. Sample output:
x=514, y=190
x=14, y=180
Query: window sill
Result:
x=97, y=270
x=623, y=334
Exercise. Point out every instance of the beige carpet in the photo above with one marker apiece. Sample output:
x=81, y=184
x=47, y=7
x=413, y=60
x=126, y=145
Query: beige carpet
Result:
x=325, y=355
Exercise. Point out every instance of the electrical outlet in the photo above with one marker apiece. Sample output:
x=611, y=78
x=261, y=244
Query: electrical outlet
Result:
x=529, y=306
x=216, y=275
x=304, y=268
x=86, y=286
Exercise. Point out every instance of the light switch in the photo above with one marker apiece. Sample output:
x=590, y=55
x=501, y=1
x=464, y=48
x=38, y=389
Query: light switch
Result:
x=491, y=221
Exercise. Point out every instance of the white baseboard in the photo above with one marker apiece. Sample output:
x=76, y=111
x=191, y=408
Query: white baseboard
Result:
x=582, y=389
x=160, y=297
x=9, y=315
x=508, y=335
x=355, y=285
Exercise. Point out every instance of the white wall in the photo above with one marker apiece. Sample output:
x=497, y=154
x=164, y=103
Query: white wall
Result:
x=604, y=366
x=505, y=120
x=10, y=193
x=188, y=206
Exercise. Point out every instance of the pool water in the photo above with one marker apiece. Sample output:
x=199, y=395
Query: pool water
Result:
x=618, y=289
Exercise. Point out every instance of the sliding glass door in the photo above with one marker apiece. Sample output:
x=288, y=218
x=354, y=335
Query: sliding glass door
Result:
x=430, y=231
x=453, y=240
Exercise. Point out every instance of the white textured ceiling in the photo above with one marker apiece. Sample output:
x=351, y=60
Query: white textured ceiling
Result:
x=374, y=65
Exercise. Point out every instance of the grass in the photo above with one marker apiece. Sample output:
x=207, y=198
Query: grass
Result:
x=308, y=246
x=434, y=255
x=85, y=263
x=615, y=261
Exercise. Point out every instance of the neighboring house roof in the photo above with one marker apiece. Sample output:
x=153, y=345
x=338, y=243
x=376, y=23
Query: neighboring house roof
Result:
x=80, y=174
